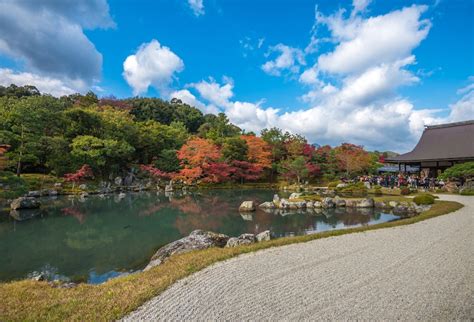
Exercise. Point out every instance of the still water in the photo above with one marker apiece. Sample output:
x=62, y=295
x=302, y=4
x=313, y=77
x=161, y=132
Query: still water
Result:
x=96, y=239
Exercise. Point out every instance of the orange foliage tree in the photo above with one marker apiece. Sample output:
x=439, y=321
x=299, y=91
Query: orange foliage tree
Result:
x=352, y=158
x=3, y=158
x=259, y=152
x=195, y=155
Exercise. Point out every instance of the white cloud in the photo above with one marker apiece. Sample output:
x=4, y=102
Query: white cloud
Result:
x=197, y=6
x=289, y=59
x=152, y=65
x=359, y=6
x=215, y=93
x=48, y=36
x=382, y=39
x=44, y=84
x=464, y=108
x=187, y=97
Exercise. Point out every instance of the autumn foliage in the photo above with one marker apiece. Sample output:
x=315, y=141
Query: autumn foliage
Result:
x=85, y=172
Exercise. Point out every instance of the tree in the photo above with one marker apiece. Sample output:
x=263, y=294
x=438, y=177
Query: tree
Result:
x=294, y=168
x=197, y=152
x=461, y=170
x=3, y=158
x=85, y=172
x=105, y=155
x=234, y=148
x=154, y=172
x=245, y=171
x=259, y=151
x=352, y=158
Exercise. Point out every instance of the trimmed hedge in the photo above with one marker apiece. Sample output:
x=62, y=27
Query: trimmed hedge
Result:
x=425, y=199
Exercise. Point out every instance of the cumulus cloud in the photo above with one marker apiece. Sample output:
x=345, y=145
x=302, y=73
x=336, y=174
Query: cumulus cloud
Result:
x=289, y=59
x=48, y=36
x=197, y=6
x=187, y=97
x=376, y=40
x=152, y=65
x=55, y=87
x=463, y=109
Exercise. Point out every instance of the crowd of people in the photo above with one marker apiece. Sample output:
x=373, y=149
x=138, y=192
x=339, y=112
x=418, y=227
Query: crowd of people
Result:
x=403, y=180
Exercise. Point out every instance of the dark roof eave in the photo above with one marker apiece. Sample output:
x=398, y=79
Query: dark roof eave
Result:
x=428, y=160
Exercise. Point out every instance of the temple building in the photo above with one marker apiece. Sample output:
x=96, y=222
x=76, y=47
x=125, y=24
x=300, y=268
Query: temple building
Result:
x=440, y=147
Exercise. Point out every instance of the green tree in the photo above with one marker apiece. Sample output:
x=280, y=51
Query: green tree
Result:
x=234, y=148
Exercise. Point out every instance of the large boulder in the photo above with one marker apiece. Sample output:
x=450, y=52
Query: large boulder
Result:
x=247, y=206
x=267, y=205
x=317, y=204
x=328, y=203
x=34, y=194
x=351, y=203
x=198, y=239
x=263, y=236
x=276, y=199
x=365, y=203
x=295, y=195
x=244, y=239
x=339, y=202
x=25, y=203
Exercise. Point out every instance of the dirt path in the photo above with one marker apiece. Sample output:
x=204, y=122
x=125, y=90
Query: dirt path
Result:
x=420, y=271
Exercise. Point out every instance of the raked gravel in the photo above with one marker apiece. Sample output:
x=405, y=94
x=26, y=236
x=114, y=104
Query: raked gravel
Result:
x=419, y=271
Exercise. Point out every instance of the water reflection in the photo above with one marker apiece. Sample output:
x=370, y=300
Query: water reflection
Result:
x=93, y=239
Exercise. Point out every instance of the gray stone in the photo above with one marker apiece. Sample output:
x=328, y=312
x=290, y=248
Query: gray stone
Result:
x=381, y=205
x=244, y=239
x=339, y=202
x=246, y=216
x=365, y=203
x=267, y=205
x=351, y=203
x=263, y=236
x=317, y=204
x=58, y=185
x=83, y=186
x=52, y=192
x=118, y=181
x=328, y=203
x=24, y=214
x=294, y=195
x=198, y=239
x=310, y=204
x=247, y=206
x=341, y=185
x=393, y=204
x=34, y=194
x=25, y=203
x=276, y=199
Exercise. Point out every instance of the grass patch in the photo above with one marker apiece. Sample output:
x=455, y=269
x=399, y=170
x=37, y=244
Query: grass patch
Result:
x=31, y=300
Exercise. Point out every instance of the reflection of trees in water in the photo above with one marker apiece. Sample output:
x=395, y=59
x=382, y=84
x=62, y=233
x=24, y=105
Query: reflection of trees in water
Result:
x=74, y=212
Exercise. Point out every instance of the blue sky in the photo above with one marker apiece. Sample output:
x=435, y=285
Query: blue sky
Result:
x=369, y=72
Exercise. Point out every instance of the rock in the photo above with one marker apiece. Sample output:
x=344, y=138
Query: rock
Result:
x=84, y=195
x=400, y=210
x=25, y=203
x=367, y=185
x=267, y=205
x=52, y=193
x=246, y=216
x=365, y=203
x=309, y=204
x=58, y=185
x=34, y=194
x=118, y=181
x=198, y=239
x=381, y=205
x=247, y=206
x=294, y=195
x=341, y=185
x=350, y=203
x=169, y=187
x=39, y=277
x=317, y=204
x=122, y=195
x=276, y=199
x=296, y=204
x=244, y=239
x=328, y=203
x=263, y=236
x=283, y=204
x=339, y=202
x=393, y=204
x=83, y=186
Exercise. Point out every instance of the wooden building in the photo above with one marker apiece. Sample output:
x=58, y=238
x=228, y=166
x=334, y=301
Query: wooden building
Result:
x=439, y=147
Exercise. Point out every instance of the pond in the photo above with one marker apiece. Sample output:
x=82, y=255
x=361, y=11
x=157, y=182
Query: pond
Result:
x=99, y=238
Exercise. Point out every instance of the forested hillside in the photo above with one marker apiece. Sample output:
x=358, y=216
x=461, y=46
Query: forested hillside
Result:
x=165, y=139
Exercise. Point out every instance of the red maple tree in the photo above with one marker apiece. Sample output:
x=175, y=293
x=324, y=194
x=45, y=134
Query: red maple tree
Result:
x=85, y=172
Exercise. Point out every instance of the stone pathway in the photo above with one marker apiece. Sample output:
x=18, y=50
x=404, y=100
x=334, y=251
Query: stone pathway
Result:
x=420, y=271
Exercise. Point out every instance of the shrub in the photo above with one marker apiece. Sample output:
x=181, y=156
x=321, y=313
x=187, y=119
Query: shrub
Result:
x=357, y=189
x=425, y=199
x=461, y=170
x=12, y=186
x=333, y=184
x=378, y=191
x=405, y=191
x=467, y=192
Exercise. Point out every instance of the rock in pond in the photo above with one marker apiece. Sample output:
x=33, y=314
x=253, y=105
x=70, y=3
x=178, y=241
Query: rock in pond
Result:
x=34, y=194
x=83, y=186
x=365, y=203
x=244, y=239
x=295, y=195
x=25, y=203
x=247, y=206
x=339, y=202
x=263, y=236
x=267, y=205
x=276, y=199
x=328, y=203
x=317, y=204
x=198, y=239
